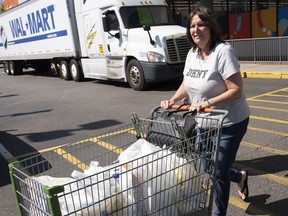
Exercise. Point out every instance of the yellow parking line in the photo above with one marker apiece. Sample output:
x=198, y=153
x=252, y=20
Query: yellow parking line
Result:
x=268, y=108
x=253, y=209
x=71, y=159
x=271, y=177
x=268, y=131
x=269, y=119
x=106, y=145
x=277, y=95
x=270, y=101
x=265, y=94
x=265, y=148
x=93, y=139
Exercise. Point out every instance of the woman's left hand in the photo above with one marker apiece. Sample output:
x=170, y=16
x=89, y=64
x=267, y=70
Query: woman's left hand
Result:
x=199, y=106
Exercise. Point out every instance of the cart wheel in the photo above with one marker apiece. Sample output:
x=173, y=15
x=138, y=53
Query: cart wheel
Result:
x=76, y=72
x=135, y=75
x=64, y=72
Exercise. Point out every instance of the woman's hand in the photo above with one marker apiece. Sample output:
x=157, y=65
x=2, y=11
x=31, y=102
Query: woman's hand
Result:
x=199, y=106
x=166, y=104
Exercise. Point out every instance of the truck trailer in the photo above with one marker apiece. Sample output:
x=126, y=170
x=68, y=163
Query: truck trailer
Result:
x=134, y=41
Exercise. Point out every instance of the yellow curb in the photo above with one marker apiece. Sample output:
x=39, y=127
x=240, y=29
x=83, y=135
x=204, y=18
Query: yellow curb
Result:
x=285, y=76
x=265, y=75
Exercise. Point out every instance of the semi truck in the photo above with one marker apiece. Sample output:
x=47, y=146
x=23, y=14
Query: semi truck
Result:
x=134, y=41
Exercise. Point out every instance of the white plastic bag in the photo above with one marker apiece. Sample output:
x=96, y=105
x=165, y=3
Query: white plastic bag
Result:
x=37, y=197
x=187, y=193
x=103, y=183
x=150, y=178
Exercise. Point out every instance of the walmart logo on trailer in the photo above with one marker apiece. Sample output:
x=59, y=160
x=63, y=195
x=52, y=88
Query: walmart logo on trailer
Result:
x=39, y=21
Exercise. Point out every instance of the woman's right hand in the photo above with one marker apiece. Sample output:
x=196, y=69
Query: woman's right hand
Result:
x=166, y=104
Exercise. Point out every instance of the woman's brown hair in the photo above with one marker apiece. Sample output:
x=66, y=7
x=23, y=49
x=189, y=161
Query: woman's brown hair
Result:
x=208, y=18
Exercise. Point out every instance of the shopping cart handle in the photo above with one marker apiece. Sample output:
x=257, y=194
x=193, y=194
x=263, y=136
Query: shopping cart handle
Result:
x=186, y=107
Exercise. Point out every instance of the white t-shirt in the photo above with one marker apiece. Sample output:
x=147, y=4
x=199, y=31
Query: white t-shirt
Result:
x=204, y=79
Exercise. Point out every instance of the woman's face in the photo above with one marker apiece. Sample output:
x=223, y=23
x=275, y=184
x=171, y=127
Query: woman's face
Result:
x=200, y=32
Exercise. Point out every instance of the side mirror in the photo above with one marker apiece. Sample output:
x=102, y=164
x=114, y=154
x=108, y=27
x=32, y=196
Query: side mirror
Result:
x=107, y=20
x=148, y=28
x=106, y=24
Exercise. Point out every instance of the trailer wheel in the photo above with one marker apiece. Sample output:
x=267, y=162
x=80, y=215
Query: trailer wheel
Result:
x=64, y=72
x=76, y=72
x=6, y=68
x=15, y=68
x=135, y=75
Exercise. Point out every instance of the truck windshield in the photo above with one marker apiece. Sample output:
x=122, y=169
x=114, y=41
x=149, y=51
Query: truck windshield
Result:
x=139, y=16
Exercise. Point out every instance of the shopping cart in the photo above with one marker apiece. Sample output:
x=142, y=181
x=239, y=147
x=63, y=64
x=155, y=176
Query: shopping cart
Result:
x=119, y=172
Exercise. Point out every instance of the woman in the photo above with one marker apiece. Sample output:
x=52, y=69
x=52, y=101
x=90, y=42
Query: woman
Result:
x=212, y=78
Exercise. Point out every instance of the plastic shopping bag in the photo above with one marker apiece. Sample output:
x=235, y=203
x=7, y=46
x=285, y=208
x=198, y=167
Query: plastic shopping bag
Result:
x=111, y=184
x=150, y=179
x=39, y=203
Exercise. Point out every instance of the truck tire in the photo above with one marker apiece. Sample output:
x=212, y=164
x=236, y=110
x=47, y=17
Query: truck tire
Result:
x=54, y=69
x=6, y=68
x=76, y=72
x=135, y=75
x=64, y=71
x=15, y=68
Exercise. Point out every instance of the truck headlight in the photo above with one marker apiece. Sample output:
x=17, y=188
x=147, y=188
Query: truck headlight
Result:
x=155, y=57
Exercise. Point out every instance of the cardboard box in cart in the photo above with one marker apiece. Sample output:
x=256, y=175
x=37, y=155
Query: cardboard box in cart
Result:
x=125, y=40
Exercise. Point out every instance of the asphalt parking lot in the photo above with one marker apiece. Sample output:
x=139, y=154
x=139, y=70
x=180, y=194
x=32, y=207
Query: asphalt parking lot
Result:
x=41, y=111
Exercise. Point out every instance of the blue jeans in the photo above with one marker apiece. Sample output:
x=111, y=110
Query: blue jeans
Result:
x=229, y=145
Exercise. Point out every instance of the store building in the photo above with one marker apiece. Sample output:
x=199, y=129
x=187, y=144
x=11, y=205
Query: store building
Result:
x=239, y=19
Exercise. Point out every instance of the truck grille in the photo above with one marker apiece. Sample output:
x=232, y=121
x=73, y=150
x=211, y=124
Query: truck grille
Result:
x=177, y=49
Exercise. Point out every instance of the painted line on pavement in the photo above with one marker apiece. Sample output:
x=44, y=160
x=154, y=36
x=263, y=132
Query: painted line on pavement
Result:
x=264, y=148
x=270, y=101
x=271, y=177
x=268, y=131
x=72, y=159
x=268, y=108
x=266, y=94
x=269, y=119
x=253, y=209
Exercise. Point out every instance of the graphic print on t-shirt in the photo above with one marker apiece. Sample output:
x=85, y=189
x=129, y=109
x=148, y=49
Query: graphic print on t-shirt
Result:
x=197, y=73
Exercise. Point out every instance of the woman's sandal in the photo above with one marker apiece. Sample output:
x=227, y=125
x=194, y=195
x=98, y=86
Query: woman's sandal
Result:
x=245, y=190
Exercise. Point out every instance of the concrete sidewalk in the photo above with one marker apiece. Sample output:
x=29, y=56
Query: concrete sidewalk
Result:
x=264, y=70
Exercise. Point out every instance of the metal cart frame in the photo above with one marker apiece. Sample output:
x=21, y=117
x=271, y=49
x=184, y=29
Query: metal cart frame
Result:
x=170, y=180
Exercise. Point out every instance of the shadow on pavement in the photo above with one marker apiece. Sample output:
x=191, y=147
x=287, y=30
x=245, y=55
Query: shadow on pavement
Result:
x=56, y=134
x=21, y=150
x=278, y=207
x=271, y=164
x=16, y=147
x=161, y=86
x=26, y=113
